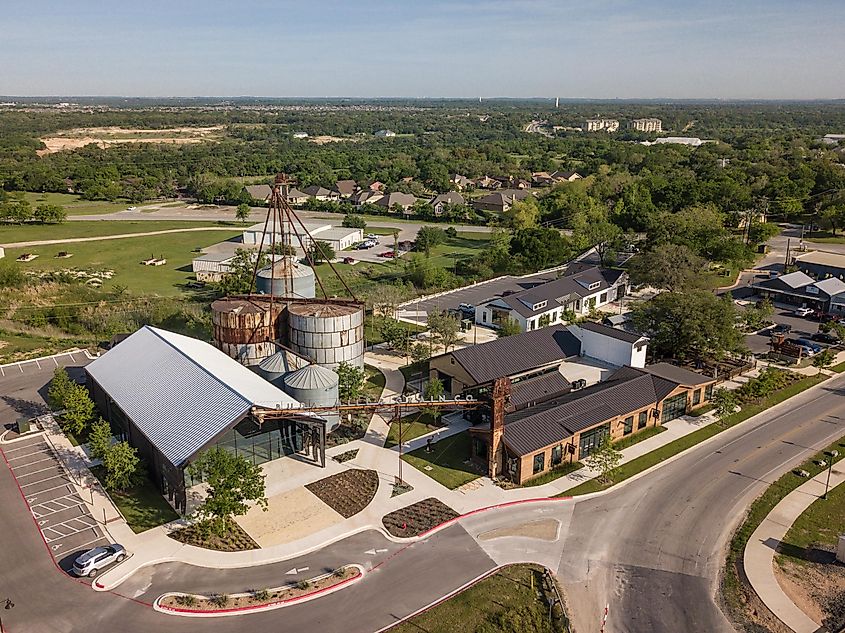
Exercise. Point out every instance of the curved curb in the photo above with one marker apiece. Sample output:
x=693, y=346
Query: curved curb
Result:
x=279, y=604
x=20, y=438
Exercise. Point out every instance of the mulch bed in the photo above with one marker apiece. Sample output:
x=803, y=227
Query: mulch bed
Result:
x=346, y=456
x=347, y=493
x=235, y=539
x=418, y=517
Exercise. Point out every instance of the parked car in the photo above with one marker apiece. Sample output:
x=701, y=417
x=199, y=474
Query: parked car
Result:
x=95, y=560
x=387, y=254
x=815, y=348
x=802, y=312
x=825, y=337
x=781, y=328
x=371, y=236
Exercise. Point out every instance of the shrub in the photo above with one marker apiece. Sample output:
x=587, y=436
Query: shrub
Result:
x=219, y=599
x=186, y=600
x=303, y=585
x=261, y=595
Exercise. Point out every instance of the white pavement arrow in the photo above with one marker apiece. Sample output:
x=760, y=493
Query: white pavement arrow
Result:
x=373, y=552
x=296, y=571
x=292, y=571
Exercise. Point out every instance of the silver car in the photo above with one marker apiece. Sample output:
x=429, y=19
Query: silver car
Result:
x=94, y=560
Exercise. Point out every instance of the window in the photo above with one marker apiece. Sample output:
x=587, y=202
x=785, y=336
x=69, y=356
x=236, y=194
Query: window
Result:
x=539, y=462
x=603, y=297
x=642, y=420
x=629, y=425
x=696, y=397
x=539, y=305
x=557, y=454
x=484, y=317
x=674, y=407
x=591, y=439
x=479, y=447
x=594, y=285
x=708, y=392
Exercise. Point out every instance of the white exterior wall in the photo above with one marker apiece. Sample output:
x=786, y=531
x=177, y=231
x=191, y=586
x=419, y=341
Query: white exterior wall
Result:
x=2, y=253
x=609, y=349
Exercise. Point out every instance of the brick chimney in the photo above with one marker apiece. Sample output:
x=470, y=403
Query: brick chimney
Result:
x=501, y=400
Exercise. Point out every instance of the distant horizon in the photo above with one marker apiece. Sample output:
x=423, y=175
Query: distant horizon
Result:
x=609, y=49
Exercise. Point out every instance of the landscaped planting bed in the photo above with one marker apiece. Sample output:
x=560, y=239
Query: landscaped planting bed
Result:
x=181, y=602
x=418, y=517
x=347, y=493
x=234, y=540
x=346, y=456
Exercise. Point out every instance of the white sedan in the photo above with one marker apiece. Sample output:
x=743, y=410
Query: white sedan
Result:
x=802, y=312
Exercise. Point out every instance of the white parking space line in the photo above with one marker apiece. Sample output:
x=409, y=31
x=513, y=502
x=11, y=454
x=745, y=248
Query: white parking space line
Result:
x=38, y=441
x=35, y=472
x=41, y=449
x=37, y=461
x=41, y=492
x=100, y=538
x=53, y=540
x=42, y=481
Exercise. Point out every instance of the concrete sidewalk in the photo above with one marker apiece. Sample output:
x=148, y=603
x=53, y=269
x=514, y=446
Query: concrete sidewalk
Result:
x=762, y=546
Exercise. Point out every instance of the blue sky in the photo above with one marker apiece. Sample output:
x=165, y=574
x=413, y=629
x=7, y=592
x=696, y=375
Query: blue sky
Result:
x=434, y=48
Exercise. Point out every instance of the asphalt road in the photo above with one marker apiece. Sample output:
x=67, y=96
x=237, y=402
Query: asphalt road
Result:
x=650, y=550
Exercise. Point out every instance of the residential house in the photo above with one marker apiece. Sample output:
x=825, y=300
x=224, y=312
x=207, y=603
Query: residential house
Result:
x=565, y=176
x=460, y=182
x=500, y=201
x=300, y=135
x=522, y=443
x=297, y=197
x=486, y=182
x=385, y=133
x=546, y=304
x=441, y=201
x=542, y=179
x=405, y=200
x=373, y=185
x=799, y=289
x=345, y=188
x=321, y=193
x=259, y=194
x=365, y=196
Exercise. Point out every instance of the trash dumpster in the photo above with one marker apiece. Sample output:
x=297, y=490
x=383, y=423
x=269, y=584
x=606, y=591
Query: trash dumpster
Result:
x=23, y=425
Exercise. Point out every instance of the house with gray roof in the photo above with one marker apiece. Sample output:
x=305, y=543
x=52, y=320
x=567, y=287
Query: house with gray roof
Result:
x=397, y=199
x=800, y=289
x=259, y=194
x=441, y=201
x=173, y=397
x=519, y=442
x=577, y=291
x=500, y=201
x=321, y=193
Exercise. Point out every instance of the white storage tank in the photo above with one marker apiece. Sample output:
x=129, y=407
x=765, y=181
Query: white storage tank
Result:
x=314, y=386
x=327, y=333
x=276, y=278
x=273, y=368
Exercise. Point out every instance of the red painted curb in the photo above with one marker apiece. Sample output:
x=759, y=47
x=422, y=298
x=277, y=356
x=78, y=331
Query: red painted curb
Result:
x=262, y=607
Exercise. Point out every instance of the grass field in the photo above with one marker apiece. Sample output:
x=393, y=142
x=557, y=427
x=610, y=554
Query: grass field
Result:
x=413, y=426
x=663, y=453
x=821, y=523
x=143, y=506
x=10, y=233
x=449, y=461
x=73, y=204
x=465, y=245
x=123, y=256
x=513, y=599
x=374, y=383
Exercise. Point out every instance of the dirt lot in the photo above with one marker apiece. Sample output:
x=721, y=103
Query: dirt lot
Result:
x=817, y=587
x=106, y=136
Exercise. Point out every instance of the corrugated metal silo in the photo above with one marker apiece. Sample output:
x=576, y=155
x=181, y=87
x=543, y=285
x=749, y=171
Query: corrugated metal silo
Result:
x=275, y=279
x=328, y=333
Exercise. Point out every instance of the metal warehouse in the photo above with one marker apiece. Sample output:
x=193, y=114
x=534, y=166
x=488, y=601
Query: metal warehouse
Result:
x=172, y=397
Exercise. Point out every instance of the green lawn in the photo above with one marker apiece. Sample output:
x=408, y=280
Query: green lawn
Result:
x=123, y=256
x=413, y=426
x=513, y=599
x=143, y=506
x=838, y=368
x=15, y=346
x=663, y=453
x=75, y=205
x=732, y=587
x=373, y=327
x=821, y=523
x=465, y=245
x=10, y=233
x=374, y=384
x=449, y=461
x=825, y=237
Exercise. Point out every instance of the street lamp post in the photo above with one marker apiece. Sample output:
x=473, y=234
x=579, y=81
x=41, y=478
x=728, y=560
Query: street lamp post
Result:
x=827, y=484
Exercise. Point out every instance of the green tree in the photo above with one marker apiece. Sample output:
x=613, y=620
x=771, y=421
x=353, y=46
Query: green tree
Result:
x=725, y=403
x=11, y=275
x=445, y=329
x=242, y=213
x=523, y=214
x=672, y=267
x=49, y=213
x=352, y=221
x=233, y=482
x=433, y=390
x=99, y=440
x=60, y=386
x=605, y=237
x=121, y=463
x=79, y=409
x=351, y=381
x=509, y=327
x=761, y=232
x=537, y=248
x=384, y=298
x=420, y=352
x=428, y=237
x=321, y=251
x=824, y=359
x=238, y=280
x=694, y=324
x=605, y=459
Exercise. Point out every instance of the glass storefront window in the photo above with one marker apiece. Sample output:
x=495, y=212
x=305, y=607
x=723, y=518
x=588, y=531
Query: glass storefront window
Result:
x=539, y=462
x=557, y=455
x=642, y=420
x=591, y=439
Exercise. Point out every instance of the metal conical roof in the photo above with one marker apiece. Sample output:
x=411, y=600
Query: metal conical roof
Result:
x=275, y=363
x=287, y=266
x=312, y=377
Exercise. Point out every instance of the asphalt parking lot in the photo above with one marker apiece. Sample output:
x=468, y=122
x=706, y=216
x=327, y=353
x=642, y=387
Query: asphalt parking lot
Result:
x=801, y=328
x=64, y=520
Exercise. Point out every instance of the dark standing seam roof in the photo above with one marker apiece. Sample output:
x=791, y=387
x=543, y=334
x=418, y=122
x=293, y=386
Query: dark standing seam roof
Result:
x=538, y=389
x=678, y=375
x=516, y=354
x=627, y=390
x=612, y=332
